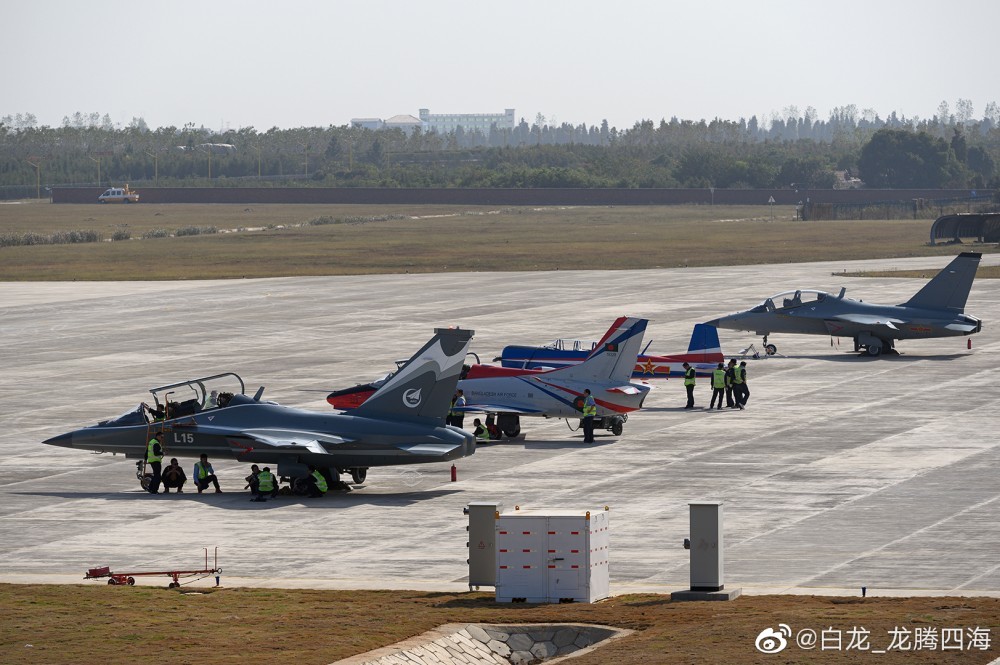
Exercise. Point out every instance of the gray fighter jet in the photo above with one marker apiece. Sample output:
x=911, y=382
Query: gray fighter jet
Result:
x=937, y=310
x=402, y=423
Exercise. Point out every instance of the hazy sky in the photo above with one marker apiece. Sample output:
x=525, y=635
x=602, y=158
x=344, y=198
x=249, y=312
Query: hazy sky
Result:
x=310, y=63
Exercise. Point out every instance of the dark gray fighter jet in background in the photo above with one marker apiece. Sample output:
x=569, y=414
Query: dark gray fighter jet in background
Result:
x=937, y=310
x=402, y=423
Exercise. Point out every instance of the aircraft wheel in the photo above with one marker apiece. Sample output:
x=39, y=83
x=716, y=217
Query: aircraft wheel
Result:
x=359, y=475
x=874, y=350
x=617, y=427
x=111, y=581
x=770, y=349
x=146, y=482
x=512, y=431
x=131, y=581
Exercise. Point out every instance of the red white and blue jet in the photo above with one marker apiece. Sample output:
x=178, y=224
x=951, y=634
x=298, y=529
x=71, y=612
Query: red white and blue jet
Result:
x=508, y=393
x=704, y=354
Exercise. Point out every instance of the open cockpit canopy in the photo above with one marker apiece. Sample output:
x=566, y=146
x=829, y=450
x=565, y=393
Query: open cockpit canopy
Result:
x=792, y=299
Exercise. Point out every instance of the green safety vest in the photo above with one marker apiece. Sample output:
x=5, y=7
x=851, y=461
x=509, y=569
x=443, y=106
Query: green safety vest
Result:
x=719, y=378
x=265, y=481
x=482, y=432
x=589, y=406
x=150, y=455
x=320, y=481
x=202, y=470
x=739, y=375
x=689, y=377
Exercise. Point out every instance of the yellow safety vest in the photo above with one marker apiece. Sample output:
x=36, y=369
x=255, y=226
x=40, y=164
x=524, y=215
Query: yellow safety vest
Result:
x=719, y=378
x=320, y=481
x=202, y=470
x=689, y=377
x=265, y=481
x=150, y=455
x=589, y=406
x=739, y=375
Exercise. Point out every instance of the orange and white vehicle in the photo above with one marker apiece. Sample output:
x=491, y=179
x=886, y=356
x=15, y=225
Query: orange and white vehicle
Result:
x=119, y=195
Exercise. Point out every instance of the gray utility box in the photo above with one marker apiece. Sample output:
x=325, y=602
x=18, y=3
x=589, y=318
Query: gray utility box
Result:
x=482, y=542
x=706, y=546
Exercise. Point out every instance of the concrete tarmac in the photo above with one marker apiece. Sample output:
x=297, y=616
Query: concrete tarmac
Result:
x=843, y=472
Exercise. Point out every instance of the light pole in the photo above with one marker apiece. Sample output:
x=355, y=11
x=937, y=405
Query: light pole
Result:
x=38, y=176
x=156, y=173
x=98, y=160
x=305, y=149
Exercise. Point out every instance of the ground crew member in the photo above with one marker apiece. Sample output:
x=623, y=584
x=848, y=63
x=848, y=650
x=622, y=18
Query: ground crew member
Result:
x=718, y=385
x=739, y=384
x=729, y=383
x=317, y=483
x=689, y=385
x=745, y=388
x=458, y=416
x=481, y=431
x=266, y=484
x=205, y=474
x=154, y=458
x=589, y=413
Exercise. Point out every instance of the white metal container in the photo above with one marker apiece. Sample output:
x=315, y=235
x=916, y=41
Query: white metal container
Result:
x=551, y=556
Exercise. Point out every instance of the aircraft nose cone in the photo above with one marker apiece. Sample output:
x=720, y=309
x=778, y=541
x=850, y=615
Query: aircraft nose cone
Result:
x=64, y=440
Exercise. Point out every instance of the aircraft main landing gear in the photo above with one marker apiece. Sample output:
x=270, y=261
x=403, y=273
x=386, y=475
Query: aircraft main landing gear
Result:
x=509, y=424
x=769, y=349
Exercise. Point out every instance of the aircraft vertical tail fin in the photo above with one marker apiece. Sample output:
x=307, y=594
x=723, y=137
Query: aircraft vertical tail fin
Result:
x=705, y=341
x=613, y=359
x=949, y=289
x=422, y=389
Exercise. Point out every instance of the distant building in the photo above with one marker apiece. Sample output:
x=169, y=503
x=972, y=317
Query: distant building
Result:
x=445, y=123
x=367, y=123
x=405, y=122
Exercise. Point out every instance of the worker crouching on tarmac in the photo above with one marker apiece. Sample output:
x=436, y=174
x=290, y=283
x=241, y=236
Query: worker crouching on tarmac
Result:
x=205, y=474
x=267, y=485
x=313, y=485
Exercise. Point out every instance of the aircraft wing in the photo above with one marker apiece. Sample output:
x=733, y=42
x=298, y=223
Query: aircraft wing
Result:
x=833, y=323
x=497, y=408
x=293, y=440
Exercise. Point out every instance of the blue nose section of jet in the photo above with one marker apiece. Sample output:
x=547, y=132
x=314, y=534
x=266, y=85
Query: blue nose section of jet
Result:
x=64, y=440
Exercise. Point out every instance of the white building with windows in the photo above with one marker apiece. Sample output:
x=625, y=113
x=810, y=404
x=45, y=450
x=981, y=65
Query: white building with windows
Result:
x=445, y=123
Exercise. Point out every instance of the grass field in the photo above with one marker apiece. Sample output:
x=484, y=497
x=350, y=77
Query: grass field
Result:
x=104, y=625
x=433, y=239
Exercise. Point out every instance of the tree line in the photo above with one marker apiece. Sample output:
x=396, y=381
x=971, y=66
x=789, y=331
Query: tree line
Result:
x=949, y=150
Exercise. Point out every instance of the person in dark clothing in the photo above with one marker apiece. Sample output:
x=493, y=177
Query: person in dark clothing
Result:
x=744, y=388
x=252, y=479
x=730, y=404
x=174, y=476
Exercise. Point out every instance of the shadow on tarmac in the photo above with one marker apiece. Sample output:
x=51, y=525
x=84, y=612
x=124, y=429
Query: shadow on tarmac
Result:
x=241, y=500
